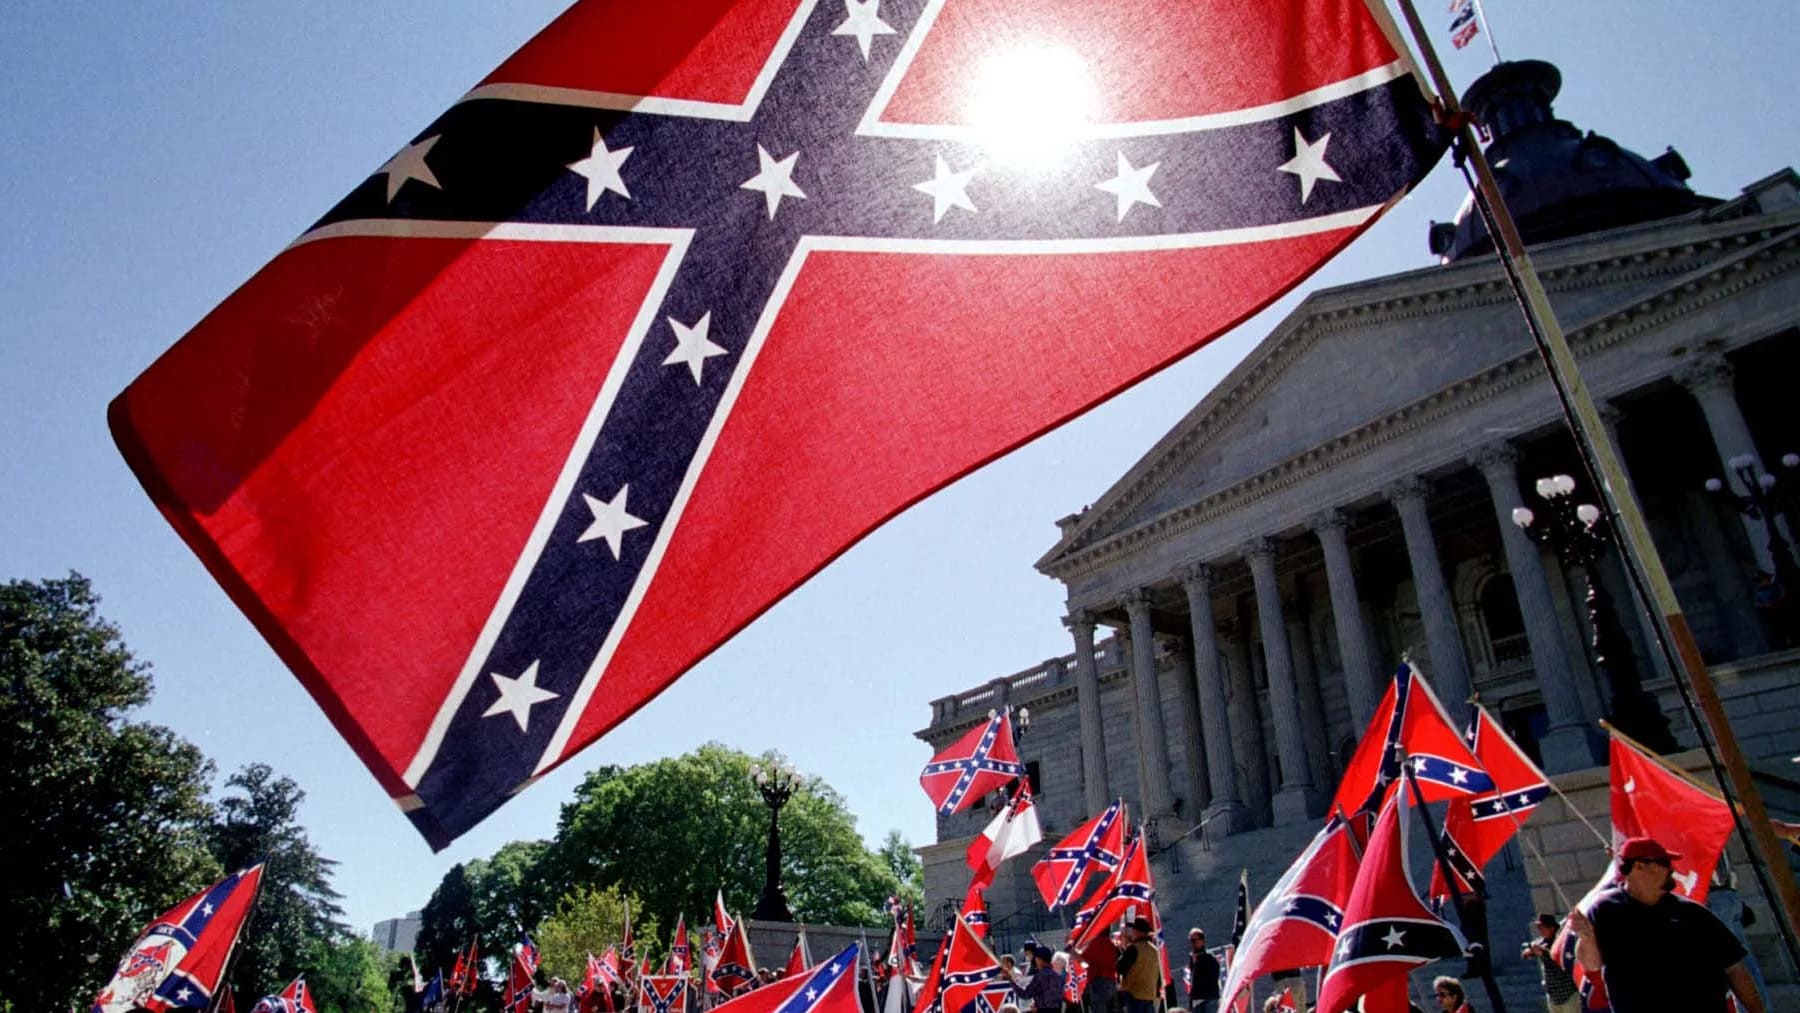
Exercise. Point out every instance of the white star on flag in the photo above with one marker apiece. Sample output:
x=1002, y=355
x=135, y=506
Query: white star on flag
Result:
x=601, y=169
x=207, y=909
x=409, y=163
x=518, y=696
x=1459, y=775
x=692, y=346
x=774, y=178
x=863, y=20
x=1131, y=186
x=1308, y=163
x=1394, y=936
x=947, y=189
x=610, y=520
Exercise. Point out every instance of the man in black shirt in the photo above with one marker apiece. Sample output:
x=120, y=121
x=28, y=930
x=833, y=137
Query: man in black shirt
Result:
x=1658, y=951
x=1203, y=975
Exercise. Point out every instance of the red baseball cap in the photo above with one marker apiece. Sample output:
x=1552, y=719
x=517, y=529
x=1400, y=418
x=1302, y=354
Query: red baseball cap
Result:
x=1645, y=847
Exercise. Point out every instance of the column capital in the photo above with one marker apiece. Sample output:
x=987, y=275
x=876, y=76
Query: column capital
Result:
x=1412, y=489
x=1136, y=599
x=1497, y=461
x=1079, y=620
x=1257, y=551
x=1706, y=372
x=1196, y=578
x=1331, y=519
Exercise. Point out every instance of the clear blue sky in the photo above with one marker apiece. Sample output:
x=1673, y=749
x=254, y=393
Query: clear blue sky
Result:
x=155, y=154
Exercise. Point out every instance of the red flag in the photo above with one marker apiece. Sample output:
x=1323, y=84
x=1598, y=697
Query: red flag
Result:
x=974, y=910
x=1287, y=1000
x=296, y=998
x=1409, y=717
x=927, y=999
x=980, y=761
x=1011, y=832
x=178, y=960
x=678, y=948
x=662, y=993
x=1095, y=847
x=471, y=969
x=1477, y=827
x=1650, y=800
x=1124, y=894
x=736, y=967
x=519, y=983
x=484, y=395
x=967, y=966
x=830, y=987
x=1388, y=931
x=798, y=960
x=1296, y=924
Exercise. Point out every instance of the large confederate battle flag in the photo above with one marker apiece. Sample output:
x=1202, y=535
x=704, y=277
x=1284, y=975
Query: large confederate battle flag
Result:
x=177, y=962
x=684, y=299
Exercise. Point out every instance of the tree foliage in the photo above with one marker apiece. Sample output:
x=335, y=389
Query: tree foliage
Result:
x=904, y=863
x=105, y=818
x=586, y=921
x=349, y=975
x=297, y=911
x=447, y=922
x=676, y=830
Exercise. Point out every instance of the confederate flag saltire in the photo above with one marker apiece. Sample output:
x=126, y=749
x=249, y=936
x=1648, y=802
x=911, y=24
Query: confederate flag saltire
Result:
x=1387, y=930
x=966, y=966
x=1409, y=716
x=678, y=949
x=735, y=967
x=1093, y=848
x=179, y=958
x=472, y=452
x=1297, y=922
x=297, y=998
x=983, y=759
x=974, y=910
x=1477, y=827
x=1650, y=800
x=1124, y=894
x=662, y=993
x=519, y=983
x=830, y=987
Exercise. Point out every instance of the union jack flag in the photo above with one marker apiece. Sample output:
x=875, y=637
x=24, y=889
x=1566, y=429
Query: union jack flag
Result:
x=1094, y=847
x=487, y=427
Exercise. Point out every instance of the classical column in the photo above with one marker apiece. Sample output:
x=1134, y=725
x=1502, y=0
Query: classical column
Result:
x=1346, y=614
x=1226, y=813
x=1312, y=701
x=1708, y=378
x=1298, y=800
x=1087, y=698
x=1153, y=744
x=1248, y=750
x=1186, y=742
x=1618, y=584
x=1449, y=670
x=1566, y=745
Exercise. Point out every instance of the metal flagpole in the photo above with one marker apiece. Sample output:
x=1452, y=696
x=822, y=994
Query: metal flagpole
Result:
x=1638, y=553
x=1465, y=910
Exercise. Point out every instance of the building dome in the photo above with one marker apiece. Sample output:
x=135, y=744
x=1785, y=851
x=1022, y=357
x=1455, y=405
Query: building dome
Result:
x=1558, y=181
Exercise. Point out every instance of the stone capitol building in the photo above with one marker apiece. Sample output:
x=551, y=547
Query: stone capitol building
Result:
x=1343, y=499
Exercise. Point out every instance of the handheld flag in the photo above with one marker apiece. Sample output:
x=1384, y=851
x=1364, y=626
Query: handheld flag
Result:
x=519, y=984
x=1650, y=800
x=1388, y=931
x=662, y=993
x=1477, y=827
x=1011, y=832
x=735, y=968
x=974, y=911
x=296, y=998
x=982, y=760
x=830, y=987
x=433, y=992
x=1240, y=915
x=678, y=948
x=1409, y=717
x=1093, y=848
x=799, y=959
x=1124, y=894
x=177, y=962
x=648, y=269
x=966, y=967
x=1297, y=923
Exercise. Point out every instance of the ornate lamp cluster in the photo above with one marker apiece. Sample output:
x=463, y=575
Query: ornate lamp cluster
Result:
x=1575, y=532
x=1767, y=498
x=776, y=783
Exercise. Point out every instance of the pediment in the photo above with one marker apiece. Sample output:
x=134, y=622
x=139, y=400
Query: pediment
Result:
x=1356, y=354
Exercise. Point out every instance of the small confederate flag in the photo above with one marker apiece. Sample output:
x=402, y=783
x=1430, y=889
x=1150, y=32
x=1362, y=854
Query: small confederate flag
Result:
x=1093, y=848
x=1127, y=893
x=974, y=911
x=519, y=983
x=1076, y=983
x=678, y=948
x=662, y=993
x=967, y=967
x=1388, y=931
x=980, y=761
x=296, y=998
x=830, y=987
x=1477, y=827
x=472, y=452
x=799, y=960
x=1409, y=717
x=1297, y=923
x=735, y=967
x=180, y=958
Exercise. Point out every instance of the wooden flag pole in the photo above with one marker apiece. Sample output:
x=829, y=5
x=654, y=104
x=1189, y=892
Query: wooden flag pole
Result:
x=1638, y=553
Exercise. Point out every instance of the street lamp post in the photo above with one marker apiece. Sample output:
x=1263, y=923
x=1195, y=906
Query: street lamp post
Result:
x=1765, y=498
x=776, y=783
x=1578, y=537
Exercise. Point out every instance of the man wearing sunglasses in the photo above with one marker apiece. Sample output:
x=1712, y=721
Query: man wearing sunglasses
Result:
x=1657, y=950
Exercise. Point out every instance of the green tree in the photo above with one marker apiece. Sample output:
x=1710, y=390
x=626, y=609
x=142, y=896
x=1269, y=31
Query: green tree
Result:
x=447, y=922
x=676, y=830
x=510, y=893
x=349, y=975
x=297, y=910
x=585, y=921
x=105, y=818
x=903, y=862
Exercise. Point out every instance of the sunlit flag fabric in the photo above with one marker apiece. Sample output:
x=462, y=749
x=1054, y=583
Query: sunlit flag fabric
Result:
x=983, y=759
x=177, y=962
x=1127, y=893
x=1409, y=716
x=678, y=949
x=798, y=959
x=297, y=998
x=1296, y=924
x=683, y=300
x=1650, y=800
x=519, y=977
x=662, y=993
x=1477, y=827
x=1387, y=930
x=830, y=987
x=967, y=966
x=1094, y=848
x=735, y=967
x=1011, y=832
x=974, y=912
